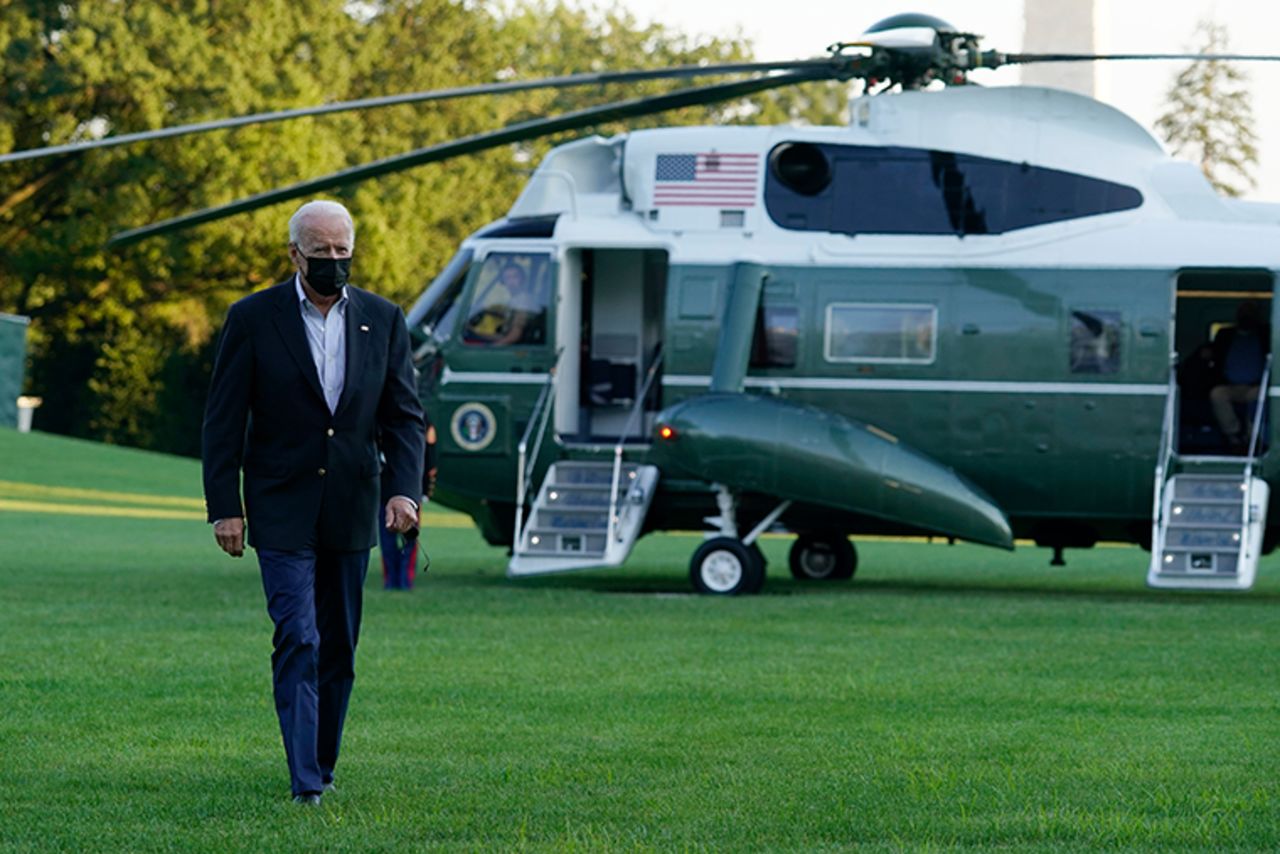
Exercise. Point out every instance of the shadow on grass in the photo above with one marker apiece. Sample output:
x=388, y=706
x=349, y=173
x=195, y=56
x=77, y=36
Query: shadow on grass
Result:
x=1058, y=588
x=1060, y=591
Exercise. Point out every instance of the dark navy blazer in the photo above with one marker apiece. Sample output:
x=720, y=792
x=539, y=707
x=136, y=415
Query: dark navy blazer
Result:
x=311, y=478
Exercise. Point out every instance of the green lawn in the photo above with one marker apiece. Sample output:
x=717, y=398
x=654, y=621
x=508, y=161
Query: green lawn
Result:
x=949, y=697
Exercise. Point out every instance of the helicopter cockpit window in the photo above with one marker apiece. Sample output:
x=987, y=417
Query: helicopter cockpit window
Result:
x=1095, y=342
x=881, y=332
x=510, y=302
x=434, y=315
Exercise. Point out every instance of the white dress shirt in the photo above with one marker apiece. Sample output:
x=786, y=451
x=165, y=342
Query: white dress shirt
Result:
x=327, y=340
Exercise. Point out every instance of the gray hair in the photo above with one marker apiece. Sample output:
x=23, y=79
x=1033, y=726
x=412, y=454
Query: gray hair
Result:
x=320, y=207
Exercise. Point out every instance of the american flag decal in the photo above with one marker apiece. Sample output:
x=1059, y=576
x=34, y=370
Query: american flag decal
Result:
x=712, y=179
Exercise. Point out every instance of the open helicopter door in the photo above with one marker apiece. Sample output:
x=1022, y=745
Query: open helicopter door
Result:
x=616, y=298
x=592, y=503
x=1210, y=509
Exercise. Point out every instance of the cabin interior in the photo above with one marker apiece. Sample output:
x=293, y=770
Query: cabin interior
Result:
x=1210, y=307
x=618, y=304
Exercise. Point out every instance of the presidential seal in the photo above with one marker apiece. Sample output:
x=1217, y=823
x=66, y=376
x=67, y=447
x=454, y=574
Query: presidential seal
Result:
x=473, y=426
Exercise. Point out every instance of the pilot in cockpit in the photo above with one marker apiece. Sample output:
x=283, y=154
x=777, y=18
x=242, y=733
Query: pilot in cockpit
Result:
x=506, y=311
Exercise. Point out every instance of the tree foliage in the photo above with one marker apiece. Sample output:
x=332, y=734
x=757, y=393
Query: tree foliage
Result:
x=121, y=339
x=1210, y=116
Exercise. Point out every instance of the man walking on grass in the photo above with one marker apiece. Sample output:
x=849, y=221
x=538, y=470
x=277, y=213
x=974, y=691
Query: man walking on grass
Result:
x=312, y=383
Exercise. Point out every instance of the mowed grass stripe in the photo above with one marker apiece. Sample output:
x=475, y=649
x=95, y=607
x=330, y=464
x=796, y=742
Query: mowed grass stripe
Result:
x=96, y=510
x=432, y=519
x=9, y=488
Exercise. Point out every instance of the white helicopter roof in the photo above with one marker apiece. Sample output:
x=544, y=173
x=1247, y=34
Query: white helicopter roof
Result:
x=638, y=185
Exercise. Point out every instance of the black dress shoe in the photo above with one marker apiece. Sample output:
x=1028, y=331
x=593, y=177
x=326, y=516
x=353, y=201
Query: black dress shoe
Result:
x=311, y=798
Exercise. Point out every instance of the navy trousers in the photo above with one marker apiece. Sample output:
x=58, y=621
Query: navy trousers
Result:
x=314, y=598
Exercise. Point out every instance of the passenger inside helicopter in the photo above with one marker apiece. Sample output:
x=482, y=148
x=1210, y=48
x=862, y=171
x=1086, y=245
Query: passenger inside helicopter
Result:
x=510, y=307
x=1219, y=383
x=1240, y=357
x=1095, y=342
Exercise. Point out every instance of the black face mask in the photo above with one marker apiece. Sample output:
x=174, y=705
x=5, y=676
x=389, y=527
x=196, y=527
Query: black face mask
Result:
x=326, y=276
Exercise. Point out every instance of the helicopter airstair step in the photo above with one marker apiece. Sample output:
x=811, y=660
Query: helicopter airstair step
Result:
x=1209, y=533
x=569, y=521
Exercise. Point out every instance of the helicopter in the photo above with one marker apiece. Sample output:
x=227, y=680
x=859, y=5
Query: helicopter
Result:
x=958, y=316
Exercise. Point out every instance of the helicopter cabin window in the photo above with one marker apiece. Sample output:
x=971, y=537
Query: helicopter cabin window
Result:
x=1095, y=342
x=776, y=337
x=861, y=189
x=509, y=306
x=881, y=332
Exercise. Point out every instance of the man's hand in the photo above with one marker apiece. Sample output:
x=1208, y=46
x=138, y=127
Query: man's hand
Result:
x=230, y=535
x=401, y=515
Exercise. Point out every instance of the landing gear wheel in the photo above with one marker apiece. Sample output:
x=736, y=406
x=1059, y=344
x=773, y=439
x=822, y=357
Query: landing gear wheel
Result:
x=723, y=566
x=822, y=557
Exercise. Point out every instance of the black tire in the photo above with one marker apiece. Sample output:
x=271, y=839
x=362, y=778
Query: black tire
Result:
x=822, y=557
x=723, y=566
x=761, y=562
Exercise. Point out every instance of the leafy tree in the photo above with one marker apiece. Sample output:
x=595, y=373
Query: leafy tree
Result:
x=106, y=322
x=121, y=339
x=1210, y=116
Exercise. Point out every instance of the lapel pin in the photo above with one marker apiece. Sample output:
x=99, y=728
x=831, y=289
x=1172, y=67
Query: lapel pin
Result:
x=364, y=328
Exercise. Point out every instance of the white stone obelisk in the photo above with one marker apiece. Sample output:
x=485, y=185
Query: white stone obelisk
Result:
x=1061, y=26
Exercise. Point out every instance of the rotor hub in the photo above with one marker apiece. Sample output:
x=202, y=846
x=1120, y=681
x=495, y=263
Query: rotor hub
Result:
x=912, y=50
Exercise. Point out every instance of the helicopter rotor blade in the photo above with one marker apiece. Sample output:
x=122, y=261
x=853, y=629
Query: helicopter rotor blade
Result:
x=563, y=82
x=1027, y=58
x=518, y=132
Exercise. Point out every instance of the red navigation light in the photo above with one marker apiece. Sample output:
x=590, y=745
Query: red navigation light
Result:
x=666, y=431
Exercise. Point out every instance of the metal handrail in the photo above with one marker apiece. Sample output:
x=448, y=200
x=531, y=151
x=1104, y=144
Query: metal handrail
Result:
x=1264, y=390
x=1168, y=432
x=617, y=449
x=526, y=462
x=1264, y=387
